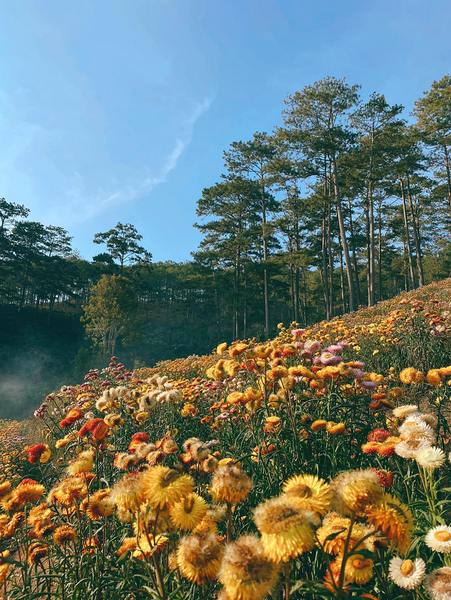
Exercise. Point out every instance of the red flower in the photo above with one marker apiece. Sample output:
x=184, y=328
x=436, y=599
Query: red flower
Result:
x=28, y=480
x=34, y=454
x=378, y=435
x=385, y=477
x=72, y=417
x=138, y=438
x=101, y=431
x=89, y=426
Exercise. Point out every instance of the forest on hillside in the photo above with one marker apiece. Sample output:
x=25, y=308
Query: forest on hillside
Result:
x=346, y=204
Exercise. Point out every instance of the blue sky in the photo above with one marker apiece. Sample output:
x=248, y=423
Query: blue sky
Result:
x=120, y=110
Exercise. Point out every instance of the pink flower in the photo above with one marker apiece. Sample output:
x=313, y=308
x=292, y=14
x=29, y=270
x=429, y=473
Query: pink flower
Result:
x=312, y=345
x=335, y=349
x=297, y=332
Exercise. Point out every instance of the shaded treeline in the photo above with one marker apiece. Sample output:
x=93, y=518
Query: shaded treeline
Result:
x=343, y=205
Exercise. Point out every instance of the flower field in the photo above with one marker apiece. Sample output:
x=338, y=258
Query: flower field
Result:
x=313, y=465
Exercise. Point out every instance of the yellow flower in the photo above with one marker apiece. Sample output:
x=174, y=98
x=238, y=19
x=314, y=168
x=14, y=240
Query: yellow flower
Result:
x=61, y=443
x=229, y=484
x=163, y=485
x=199, y=556
x=309, y=492
x=433, y=377
x=358, y=569
x=319, y=424
x=128, y=493
x=221, y=348
x=188, y=512
x=285, y=528
x=393, y=519
x=354, y=491
x=82, y=464
x=100, y=505
x=148, y=545
x=246, y=573
x=411, y=375
x=64, y=534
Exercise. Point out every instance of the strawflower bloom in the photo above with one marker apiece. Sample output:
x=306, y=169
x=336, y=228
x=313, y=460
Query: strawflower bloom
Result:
x=188, y=512
x=409, y=448
x=310, y=492
x=36, y=552
x=199, y=556
x=438, y=584
x=162, y=485
x=39, y=452
x=128, y=493
x=393, y=519
x=353, y=491
x=407, y=574
x=229, y=484
x=430, y=458
x=82, y=464
x=358, y=569
x=64, y=534
x=401, y=412
x=285, y=528
x=439, y=539
x=246, y=573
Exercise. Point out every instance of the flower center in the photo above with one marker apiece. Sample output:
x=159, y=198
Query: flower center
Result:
x=169, y=477
x=442, y=536
x=407, y=568
x=359, y=563
x=188, y=504
x=301, y=490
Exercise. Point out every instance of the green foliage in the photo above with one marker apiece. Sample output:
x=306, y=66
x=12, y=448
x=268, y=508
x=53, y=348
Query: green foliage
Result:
x=111, y=313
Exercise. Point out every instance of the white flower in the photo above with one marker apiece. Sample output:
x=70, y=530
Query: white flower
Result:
x=415, y=428
x=439, y=539
x=409, y=448
x=402, y=411
x=430, y=458
x=407, y=574
x=428, y=418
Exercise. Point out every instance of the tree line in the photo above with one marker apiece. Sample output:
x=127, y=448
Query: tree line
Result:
x=345, y=204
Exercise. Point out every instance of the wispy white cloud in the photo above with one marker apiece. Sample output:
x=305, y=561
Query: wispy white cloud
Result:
x=84, y=205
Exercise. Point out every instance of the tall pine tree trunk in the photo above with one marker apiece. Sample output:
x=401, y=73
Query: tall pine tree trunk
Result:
x=416, y=235
x=331, y=263
x=324, y=270
x=406, y=225
x=448, y=174
x=343, y=236
x=354, y=256
x=265, y=259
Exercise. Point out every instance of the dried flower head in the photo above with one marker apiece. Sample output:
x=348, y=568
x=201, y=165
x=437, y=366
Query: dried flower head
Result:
x=36, y=552
x=199, y=556
x=353, y=491
x=64, y=534
x=229, y=484
x=246, y=573
x=128, y=493
x=100, y=505
x=438, y=584
x=82, y=464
